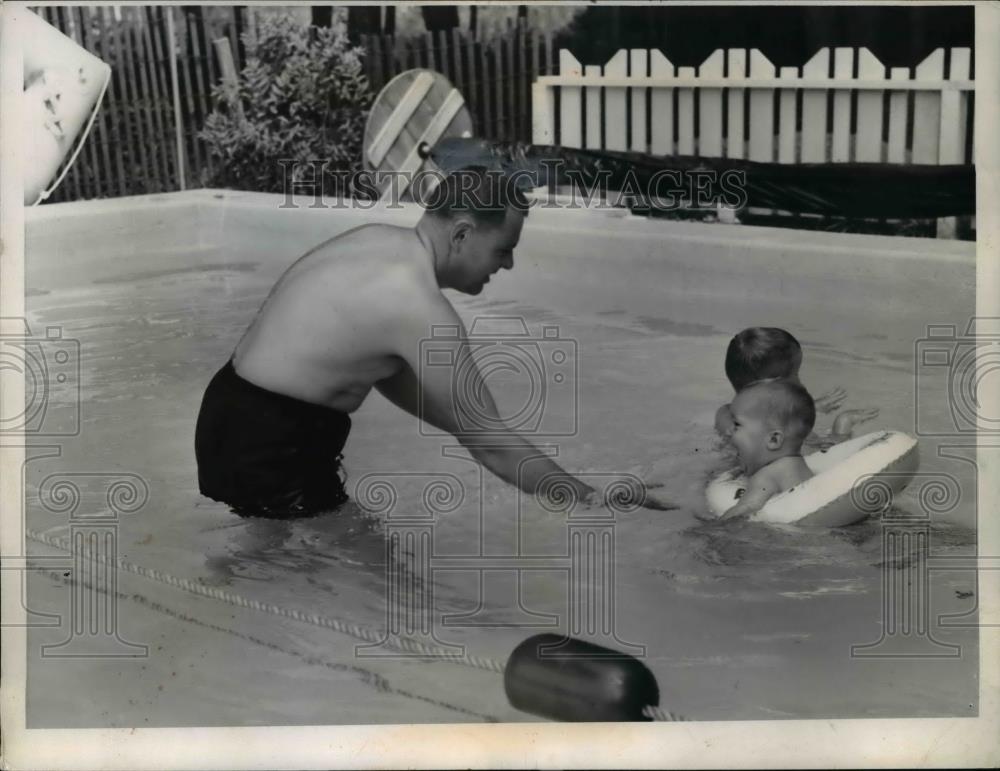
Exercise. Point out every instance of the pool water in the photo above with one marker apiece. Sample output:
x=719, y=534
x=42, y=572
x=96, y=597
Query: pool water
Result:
x=737, y=620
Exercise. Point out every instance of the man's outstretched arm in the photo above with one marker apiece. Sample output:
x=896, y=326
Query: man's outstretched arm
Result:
x=505, y=453
x=433, y=396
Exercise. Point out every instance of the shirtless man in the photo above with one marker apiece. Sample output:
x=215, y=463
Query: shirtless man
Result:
x=349, y=316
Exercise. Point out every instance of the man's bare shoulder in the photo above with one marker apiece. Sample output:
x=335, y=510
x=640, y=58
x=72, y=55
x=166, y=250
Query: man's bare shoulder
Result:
x=388, y=271
x=380, y=240
x=371, y=258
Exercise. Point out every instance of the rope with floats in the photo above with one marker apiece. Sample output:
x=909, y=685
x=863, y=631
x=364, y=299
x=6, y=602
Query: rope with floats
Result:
x=526, y=660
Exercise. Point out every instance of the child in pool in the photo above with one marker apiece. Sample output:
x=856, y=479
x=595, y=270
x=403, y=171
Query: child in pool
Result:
x=770, y=421
x=760, y=354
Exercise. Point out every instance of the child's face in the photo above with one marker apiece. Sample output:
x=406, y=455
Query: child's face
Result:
x=750, y=434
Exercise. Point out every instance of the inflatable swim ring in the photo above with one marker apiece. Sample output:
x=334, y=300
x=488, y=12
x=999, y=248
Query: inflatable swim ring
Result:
x=826, y=499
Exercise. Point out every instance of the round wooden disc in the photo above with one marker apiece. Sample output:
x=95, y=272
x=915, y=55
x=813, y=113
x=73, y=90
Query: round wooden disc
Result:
x=415, y=107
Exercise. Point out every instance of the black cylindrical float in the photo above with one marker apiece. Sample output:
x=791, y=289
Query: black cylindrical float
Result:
x=563, y=678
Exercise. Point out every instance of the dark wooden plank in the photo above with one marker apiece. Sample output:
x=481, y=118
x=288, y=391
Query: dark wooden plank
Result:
x=234, y=42
x=524, y=84
x=155, y=149
x=417, y=57
x=111, y=107
x=550, y=63
x=444, y=57
x=112, y=33
x=398, y=57
x=165, y=50
x=158, y=96
x=428, y=52
x=467, y=63
x=378, y=65
x=496, y=75
x=534, y=55
x=472, y=87
x=513, y=86
x=458, y=58
x=203, y=99
x=111, y=52
x=510, y=84
x=95, y=158
x=506, y=83
x=101, y=155
x=203, y=85
x=141, y=167
x=190, y=118
x=486, y=128
x=367, y=66
x=386, y=47
x=239, y=27
x=144, y=65
x=208, y=52
x=103, y=176
x=453, y=44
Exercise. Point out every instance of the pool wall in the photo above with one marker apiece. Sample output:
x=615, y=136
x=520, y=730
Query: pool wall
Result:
x=607, y=249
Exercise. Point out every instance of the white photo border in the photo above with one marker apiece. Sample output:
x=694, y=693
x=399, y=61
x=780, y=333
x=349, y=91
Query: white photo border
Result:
x=929, y=742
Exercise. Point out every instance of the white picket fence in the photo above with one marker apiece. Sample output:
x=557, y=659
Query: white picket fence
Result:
x=843, y=105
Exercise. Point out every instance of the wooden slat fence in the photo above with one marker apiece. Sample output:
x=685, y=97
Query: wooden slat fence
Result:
x=131, y=149
x=843, y=105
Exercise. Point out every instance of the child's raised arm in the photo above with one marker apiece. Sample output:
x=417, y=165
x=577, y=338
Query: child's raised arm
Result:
x=845, y=422
x=843, y=428
x=831, y=401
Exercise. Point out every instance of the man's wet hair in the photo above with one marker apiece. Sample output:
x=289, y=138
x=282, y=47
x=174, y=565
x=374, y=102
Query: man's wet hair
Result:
x=482, y=193
x=761, y=353
x=784, y=405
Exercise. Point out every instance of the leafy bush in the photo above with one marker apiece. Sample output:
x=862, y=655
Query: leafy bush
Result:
x=301, y=96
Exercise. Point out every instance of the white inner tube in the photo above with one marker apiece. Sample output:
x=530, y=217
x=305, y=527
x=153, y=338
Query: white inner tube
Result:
x=834, y=497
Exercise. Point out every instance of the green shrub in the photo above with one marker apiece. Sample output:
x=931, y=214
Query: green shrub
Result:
x=301, y=96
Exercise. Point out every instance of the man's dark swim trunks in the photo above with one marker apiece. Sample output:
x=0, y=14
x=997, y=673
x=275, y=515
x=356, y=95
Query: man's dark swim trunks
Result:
x=266, y=454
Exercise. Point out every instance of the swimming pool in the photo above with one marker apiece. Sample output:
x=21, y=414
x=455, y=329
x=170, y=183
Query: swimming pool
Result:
x=738, y=622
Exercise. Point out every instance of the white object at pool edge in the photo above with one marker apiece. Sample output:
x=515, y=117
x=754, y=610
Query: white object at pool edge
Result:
x=834, y=496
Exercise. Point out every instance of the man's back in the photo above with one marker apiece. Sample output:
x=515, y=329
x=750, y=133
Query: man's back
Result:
x=324, y=334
